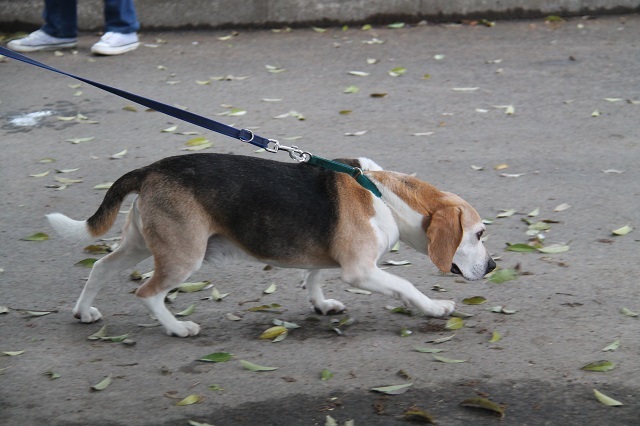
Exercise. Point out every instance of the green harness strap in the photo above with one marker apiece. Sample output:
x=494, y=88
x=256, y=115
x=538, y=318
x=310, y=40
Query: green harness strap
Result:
x=354, y=172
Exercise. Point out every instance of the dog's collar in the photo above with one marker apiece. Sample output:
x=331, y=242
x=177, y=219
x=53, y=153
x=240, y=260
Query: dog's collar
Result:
x=354, y=172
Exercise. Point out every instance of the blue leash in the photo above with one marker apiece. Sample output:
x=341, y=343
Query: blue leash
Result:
x=243, y=135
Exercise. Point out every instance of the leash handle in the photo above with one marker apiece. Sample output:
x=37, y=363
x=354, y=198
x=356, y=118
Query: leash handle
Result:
x=243, y=135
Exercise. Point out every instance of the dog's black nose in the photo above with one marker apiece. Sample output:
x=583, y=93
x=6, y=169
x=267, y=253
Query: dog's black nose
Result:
x=456, y=270
x=491, y=265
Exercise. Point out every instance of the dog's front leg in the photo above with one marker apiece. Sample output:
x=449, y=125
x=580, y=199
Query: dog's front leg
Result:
x=377, y=280
x=316, y=296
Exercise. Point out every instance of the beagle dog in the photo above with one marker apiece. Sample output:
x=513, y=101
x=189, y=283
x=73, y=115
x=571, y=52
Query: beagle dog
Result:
x=218, y=207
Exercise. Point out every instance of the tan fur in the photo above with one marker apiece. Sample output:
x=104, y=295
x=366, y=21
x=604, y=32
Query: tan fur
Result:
x=445, y=234
x=105, y=223
x=178, y=234
x=354, y=232
x=445, y=214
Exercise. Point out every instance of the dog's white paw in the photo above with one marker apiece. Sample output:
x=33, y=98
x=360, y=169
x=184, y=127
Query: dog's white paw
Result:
x=183, y=329
x=442, y=308
x=90, y=316
x=330, y=306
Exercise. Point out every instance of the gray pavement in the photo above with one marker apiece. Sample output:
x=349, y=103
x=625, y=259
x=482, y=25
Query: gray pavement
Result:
x=557, y=104
x=184, y=14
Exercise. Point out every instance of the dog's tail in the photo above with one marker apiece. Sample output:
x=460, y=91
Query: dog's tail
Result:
x=104, y=218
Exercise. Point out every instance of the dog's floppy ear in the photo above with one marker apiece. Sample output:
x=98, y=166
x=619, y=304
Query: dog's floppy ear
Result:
x=444, y=234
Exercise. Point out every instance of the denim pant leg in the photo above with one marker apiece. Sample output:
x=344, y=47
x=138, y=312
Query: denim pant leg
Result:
x=120, y=16
x=60, y=18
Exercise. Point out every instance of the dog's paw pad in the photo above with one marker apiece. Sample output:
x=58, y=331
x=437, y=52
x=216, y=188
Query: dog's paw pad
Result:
x=329, y=307
x=89, y=317
x=184, y=329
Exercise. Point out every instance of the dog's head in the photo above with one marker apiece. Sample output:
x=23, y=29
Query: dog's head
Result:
x=455, y=241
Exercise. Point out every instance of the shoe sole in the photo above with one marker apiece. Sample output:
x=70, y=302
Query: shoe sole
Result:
x=43, y=47
x=110, y=51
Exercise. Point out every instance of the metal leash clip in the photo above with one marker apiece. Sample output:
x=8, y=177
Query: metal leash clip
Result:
x=294, y=152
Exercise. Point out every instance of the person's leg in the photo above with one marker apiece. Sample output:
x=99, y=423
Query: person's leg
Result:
x=120, y=16
x=121, y=25
x=58, y=32
x=60, y=18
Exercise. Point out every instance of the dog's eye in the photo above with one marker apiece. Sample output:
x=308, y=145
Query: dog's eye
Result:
x=479, y=234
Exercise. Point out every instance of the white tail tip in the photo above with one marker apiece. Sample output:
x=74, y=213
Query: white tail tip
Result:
x=368, y=164
x=68, y=228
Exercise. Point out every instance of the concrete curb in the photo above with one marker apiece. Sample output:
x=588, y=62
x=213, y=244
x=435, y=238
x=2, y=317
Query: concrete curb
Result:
x=169, y=14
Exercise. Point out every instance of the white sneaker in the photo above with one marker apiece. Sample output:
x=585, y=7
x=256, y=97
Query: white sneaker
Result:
x=39, y=40
x=115, y=44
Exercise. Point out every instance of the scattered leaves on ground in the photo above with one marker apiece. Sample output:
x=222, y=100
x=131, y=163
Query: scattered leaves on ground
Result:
x=447, y=360
x=599, y=366
x=393, y=389
x=217, y=357
x=191, y=287
x=38, y=236
x=191, y=309
x=503, y=275
x=255, y=367
x=612, y=346
x=274, y=307
x=502, y=310
x=606, y=400
x=454, y=323
x=418, y=415
x=190, y=400
x=622, y=231
x=326, y=375
x=475, y=300
x=485, y=404
x=52, y=375
x=495, y=336
x=103, y=384
x=86, y=263
x=277, y=333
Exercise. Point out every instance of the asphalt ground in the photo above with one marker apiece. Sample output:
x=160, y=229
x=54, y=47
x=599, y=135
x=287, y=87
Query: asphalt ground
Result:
x=520, y=116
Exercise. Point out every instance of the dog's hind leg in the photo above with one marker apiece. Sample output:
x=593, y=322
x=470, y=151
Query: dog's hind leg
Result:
x=152, y=294
x=178, y=252
x=132, y=250
x=314, y=288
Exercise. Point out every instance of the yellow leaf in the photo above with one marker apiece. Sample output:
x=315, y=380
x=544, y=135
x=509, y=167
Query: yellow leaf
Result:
x=273, y=332
x=454, y=323
x=622, y=231
x=604, y=399
x=190, y=400
x=102, y=385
